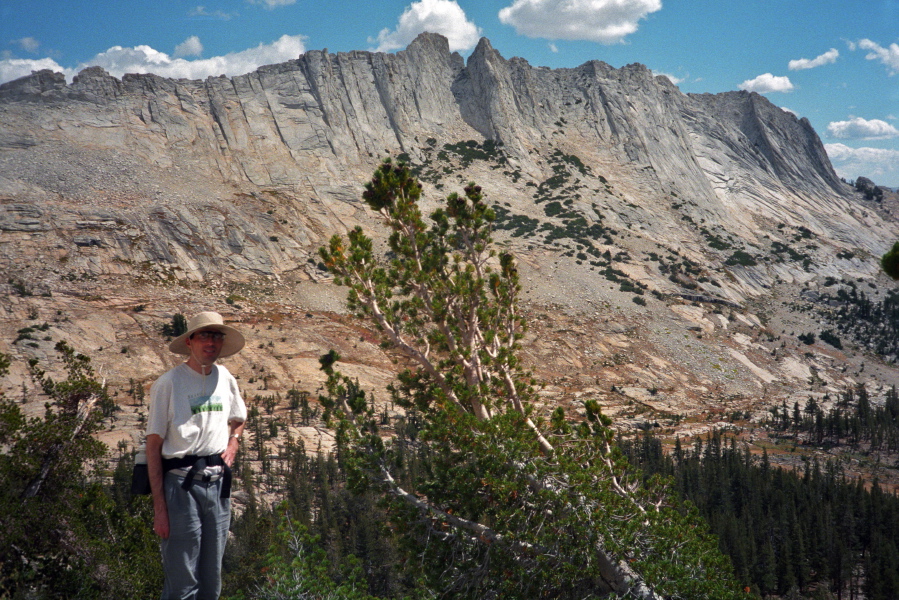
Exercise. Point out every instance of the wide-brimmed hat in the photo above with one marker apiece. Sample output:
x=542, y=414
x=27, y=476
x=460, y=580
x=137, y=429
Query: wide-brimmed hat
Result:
x=211, y=321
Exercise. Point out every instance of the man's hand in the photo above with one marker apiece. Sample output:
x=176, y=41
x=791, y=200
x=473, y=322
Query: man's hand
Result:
x=154, y=468
x=161, y=521
x=235, y=428
x=230, y=452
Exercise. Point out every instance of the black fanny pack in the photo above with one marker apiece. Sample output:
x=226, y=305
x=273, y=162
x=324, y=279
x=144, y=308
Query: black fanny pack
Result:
x=140, y=477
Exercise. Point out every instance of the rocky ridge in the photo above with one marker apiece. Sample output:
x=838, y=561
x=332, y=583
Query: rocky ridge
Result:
x=124, y=201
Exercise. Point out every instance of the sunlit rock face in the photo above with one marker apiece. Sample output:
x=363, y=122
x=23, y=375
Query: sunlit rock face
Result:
x=164, y=193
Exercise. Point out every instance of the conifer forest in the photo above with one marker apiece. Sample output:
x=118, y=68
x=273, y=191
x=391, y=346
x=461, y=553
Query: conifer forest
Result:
x=459, y=486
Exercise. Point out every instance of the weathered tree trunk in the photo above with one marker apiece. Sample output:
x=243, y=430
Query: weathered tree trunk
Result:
x=84, y=411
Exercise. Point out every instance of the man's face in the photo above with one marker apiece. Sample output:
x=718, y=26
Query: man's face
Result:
x=205, y=345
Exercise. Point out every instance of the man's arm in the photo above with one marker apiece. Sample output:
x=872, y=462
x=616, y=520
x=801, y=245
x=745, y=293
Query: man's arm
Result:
x=235, y=429
x=154, y=468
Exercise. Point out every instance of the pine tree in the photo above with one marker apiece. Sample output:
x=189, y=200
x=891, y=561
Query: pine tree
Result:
x=500, y=507
x=65, y=533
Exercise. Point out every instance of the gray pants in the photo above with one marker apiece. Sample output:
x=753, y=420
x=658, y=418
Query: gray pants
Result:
x=198, y=529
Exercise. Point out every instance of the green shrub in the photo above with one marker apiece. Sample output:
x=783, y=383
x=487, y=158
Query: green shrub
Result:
x=519, y=225
x=553, y=209
x=715, y=241
x=741, y=258
x=176, y=327
x=807, y=338
x=829, y=337
x=780, y=248
x=470, y=151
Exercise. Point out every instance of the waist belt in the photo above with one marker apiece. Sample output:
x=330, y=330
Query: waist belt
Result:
x=192, y=465
x=206, y=478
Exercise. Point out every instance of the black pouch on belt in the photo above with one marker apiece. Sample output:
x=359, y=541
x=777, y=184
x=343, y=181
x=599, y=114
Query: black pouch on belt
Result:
x=140, y=476
x=197, y=464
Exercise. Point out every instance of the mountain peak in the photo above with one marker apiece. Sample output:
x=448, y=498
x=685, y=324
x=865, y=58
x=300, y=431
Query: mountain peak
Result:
x=427, y=41
x=631, y=206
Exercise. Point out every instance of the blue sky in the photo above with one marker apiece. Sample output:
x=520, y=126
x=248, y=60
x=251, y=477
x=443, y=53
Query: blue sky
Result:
x=833, y=61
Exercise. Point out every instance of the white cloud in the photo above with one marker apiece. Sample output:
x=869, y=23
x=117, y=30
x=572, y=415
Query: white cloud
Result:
x=767, y=83
x=553, y=48
x=13, y=68
x=603, y=21
x=200, y=11
x=445, y=17
x=144, y=59
x=789, y=110
x=28, y=44
x=878, y=164
x=272, y=4
x=824, y=59
x=861, y=129
x=189, y=47
x=888, y=56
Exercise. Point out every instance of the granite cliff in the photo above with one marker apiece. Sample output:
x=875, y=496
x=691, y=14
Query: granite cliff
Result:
x=712, y=212
x=314, y=127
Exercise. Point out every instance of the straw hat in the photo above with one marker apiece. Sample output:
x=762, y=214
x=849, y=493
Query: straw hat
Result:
x=213, y=321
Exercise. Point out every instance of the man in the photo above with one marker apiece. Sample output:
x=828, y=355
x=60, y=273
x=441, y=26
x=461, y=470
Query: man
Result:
x=193, y=432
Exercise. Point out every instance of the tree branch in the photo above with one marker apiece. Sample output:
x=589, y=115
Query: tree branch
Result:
x=50, y=458
x=618, y=576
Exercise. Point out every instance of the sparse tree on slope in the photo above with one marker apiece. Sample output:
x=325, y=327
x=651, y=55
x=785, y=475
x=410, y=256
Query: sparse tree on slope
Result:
x=889, y=262
x=65, y=532
x=506, y=504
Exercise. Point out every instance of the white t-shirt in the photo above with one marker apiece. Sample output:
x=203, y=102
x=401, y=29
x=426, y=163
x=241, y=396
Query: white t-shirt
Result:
x=190, y=412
